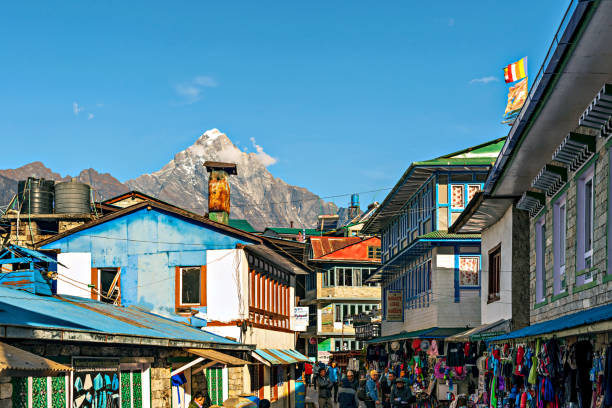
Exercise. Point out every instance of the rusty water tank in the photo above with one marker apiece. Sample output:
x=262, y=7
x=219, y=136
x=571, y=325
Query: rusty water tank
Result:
x=72, y=197
x=35, y=196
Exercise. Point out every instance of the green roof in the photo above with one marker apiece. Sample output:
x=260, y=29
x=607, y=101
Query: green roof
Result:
x=447, y=235
x=295, y=231
x=242, y=225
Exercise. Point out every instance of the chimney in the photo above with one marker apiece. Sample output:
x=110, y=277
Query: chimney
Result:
x=219, y=190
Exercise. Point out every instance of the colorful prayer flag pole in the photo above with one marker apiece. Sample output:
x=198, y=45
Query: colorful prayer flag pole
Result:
x=516, y=70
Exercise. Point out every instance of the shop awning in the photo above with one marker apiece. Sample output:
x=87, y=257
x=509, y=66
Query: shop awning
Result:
x=430, y=333
x=483, y=332
x=279, y=356
x=219, y=357
x=17, y=362
x=586, y=319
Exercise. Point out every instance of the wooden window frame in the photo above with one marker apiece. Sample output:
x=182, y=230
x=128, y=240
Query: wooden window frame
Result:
x=177, y=288
x=494, y=285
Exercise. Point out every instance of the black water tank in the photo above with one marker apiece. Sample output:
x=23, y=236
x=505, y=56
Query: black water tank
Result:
x=72, y=197
x=35, y=196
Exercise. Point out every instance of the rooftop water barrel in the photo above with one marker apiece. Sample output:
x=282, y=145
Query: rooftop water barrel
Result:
x=355, y=200
x=35, y=196
x=72, y=197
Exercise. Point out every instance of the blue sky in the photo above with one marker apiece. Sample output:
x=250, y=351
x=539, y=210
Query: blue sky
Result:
x=345, y=95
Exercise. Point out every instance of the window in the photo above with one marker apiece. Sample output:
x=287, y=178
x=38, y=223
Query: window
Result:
x=190, y=287
x=109, y=285
x=540, y=261
x=559, y=244
x=584, y=245
x=457, y=196
x=494, y=274
x=469, y=268
x=374, y=252
x=472, y=190
x=338, y=318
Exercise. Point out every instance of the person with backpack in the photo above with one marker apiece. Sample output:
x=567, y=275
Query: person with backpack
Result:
x=324, y=385
x=307, y=374
x=347, y=397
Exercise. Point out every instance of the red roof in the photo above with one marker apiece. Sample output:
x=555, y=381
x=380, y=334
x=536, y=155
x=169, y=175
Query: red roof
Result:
x=343, y=248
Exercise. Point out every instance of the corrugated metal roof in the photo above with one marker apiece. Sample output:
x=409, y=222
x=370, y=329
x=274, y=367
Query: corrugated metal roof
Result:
x=294, y=231
x=17, y=362
x=448, y=235
x=277, y=259
x=281, y=356
x=220, y=357
x=582, y=318
x=242, y=225
x=430, y=333
x=20, y=308
x=322, y=246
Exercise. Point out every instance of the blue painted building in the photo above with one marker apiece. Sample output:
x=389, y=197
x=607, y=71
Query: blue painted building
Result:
x=155, y=254
x=430, y=278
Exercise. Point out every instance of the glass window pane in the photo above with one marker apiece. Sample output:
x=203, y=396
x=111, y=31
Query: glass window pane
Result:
x=332, y=277
x=357, y=278
x=345, y=311
x=588, y=206
x=562, y=234
x=348, y=277
x=190, y=286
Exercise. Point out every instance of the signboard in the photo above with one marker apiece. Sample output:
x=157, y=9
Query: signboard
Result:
x=95, y=381
x=323, y=357
x=300, y=319
x=325, y=345
x=395, y=306
x=300, y=394
x=327, y=315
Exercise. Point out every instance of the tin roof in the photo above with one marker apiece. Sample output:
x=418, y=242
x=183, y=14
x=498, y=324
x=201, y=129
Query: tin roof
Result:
x=25, y=315
x=322, y=246
x=294, y=231
x=17, y=362
x=242, y=225
x=281, y=357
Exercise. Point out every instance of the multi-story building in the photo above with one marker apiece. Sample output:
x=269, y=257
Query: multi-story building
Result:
x=430, y=278
x=555, y=167
x=337, y=291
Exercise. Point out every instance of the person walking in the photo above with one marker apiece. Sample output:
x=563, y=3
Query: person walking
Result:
x=347, y=396
x=324, y=385
x=373, y=390
x=350, y=375
x=386, y=386
x=333, y=373
x=307, y=374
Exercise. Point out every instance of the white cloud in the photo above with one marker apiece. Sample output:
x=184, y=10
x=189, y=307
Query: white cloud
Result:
x=484, y=80
x=191, y=91
x=263, y=157
x=76, y=109
x=90, y=116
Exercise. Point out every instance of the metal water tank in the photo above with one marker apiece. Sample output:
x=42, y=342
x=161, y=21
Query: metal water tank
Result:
x=72, y=197
x=35, y=196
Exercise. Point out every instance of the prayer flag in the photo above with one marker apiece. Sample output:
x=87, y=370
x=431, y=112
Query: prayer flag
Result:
x=516, y=71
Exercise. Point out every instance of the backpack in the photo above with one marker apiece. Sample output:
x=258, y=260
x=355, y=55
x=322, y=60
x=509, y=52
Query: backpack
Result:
x=362, y=394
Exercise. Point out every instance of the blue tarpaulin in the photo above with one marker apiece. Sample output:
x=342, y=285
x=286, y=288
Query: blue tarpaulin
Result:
x=585, y=317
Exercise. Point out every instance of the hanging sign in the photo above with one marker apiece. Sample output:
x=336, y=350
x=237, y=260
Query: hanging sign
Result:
x=95, y=382
x=300, y=322
x=395, y=306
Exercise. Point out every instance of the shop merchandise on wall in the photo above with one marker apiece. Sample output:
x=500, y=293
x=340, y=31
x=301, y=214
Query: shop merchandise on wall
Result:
x=425, y=364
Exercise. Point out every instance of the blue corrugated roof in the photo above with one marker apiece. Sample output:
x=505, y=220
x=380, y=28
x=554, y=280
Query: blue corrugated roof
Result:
x=589, y=316
x=21, y=308
x=281, y=356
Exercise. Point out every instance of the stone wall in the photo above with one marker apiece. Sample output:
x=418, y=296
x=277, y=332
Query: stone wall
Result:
x=6, y=392
x=577, y=297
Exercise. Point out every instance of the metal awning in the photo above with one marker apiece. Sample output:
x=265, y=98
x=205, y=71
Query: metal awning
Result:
x=222, y=358
x=17, y=362
x=599, y=111
x=279, y=356
x=575, y=150
x=482, y=212
x=532, y=202
x=483, y=332
x=550, y=179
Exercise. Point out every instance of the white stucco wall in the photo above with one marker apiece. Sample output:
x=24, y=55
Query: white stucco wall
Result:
x=75, y=275
x=227, y=288
x=500, y=232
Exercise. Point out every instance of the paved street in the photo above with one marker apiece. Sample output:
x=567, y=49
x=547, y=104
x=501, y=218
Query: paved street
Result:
x=313, y=396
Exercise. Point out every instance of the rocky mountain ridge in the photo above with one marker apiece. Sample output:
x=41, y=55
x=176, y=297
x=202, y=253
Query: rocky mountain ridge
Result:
x=256, y=195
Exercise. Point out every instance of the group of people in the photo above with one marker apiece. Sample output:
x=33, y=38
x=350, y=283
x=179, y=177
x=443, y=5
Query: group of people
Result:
x=347, y=391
